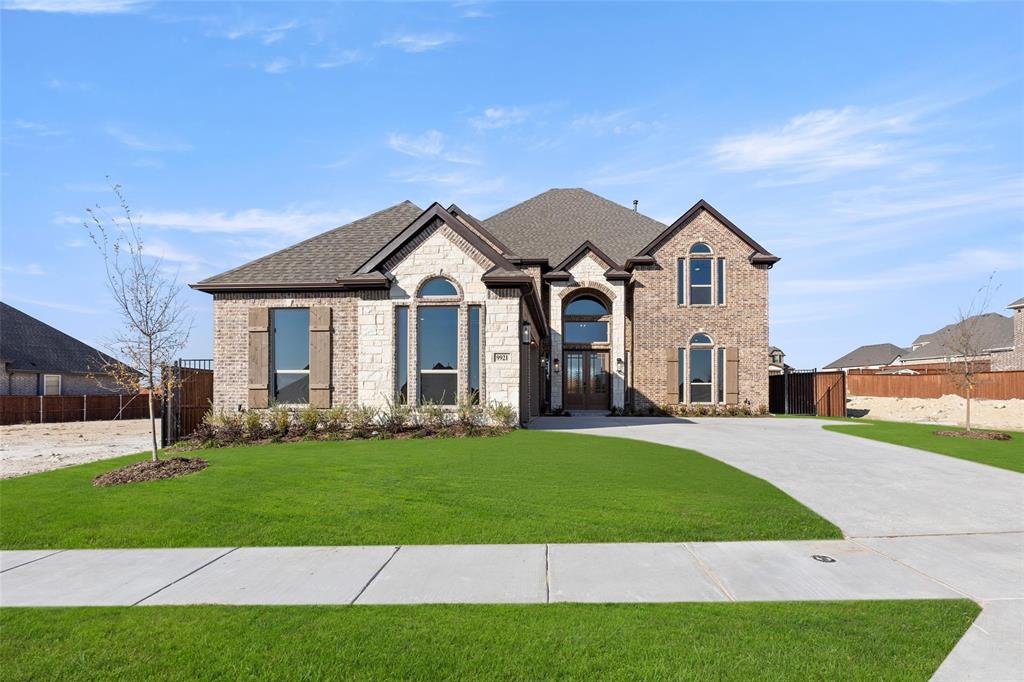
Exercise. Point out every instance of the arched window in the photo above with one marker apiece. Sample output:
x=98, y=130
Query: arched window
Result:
x=586, y=306
x=700, y=247
x=586, y=320
x=438, y=286
x=701, y=377
x=700, y=274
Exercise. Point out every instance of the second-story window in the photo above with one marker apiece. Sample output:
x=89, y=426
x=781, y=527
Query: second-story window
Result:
x=700, y=274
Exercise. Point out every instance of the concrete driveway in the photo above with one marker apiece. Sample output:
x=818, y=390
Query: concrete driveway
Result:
x=867, y=488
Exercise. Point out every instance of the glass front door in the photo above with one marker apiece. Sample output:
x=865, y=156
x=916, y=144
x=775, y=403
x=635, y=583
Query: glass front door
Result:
x=586, y=380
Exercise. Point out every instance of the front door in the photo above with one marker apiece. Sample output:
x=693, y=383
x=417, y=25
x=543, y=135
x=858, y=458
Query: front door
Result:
x=586, y=380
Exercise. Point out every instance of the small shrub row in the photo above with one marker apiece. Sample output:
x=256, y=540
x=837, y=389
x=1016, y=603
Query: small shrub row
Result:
x=395, y=419
x=682, y=410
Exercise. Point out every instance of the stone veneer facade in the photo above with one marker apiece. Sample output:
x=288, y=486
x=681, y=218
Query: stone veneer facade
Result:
x=647, y=324
x=1012, y=359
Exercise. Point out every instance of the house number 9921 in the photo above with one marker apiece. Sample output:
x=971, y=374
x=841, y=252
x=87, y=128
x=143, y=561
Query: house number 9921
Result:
x=502, y=357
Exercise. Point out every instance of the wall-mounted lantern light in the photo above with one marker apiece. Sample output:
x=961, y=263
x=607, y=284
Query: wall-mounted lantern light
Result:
x=526, y=332
x=620, y=366
x=556, y=365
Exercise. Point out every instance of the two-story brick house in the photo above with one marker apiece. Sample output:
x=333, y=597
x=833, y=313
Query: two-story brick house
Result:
x=566, y=300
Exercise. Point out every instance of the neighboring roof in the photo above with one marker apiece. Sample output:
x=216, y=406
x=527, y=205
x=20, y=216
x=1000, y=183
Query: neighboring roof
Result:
x=552, y=225
x=993, y=331
x=867, y=356
x=28, y=344
x=323, y=258
x=1019, y=303
x=772, y=349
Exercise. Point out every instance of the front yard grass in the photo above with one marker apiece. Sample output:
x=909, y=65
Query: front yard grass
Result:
x=524, y=487
x=1006, y=454
x=880, y=640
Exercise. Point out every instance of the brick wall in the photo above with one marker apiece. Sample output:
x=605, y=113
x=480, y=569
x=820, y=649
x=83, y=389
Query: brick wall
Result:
x=659, y=324
x=1012, y=359
x=231, y=341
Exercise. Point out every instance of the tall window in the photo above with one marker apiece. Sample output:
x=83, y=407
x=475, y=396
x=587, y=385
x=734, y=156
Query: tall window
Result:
x=586, y=320
x=681, y=281
x=474, y=354
x=438, y=286
x=291, y=355
x=700, y=369
x=402, y=353
x=721, y=375
x=438, y=354
x=721, y=282
x=700, y=274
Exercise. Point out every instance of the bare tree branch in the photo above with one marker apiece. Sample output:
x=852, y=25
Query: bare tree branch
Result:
x=965, y=342
x=155, y=322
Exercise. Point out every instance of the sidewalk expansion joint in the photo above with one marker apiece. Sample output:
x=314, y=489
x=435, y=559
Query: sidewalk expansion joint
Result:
x=375, y=574
x=709, y=573
x=45, y=556
x=547, y=574
x=192, y=572
x=915, y=570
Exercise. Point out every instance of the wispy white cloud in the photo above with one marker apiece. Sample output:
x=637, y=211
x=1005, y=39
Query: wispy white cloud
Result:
x=819, y=143
x=266, y=33
x=61, y=84
x=418, y=42
x=36, y=128
x=454, y=183
x=31, y=269
x=341, y=58
x=277, y=65
x=289, y=223
x=428, y=145
x=472, y=9
x=146, y=142
x=55, y=305
x=619, y=122
x=958, y=266
x=498, y=117
x=75, y=6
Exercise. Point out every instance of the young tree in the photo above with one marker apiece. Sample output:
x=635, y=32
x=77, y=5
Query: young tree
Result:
x=965, y=342
x=155, y=322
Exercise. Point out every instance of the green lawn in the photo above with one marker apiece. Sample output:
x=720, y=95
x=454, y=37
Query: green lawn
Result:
x=883, y=640
x=527, y=486
x=1007, y=454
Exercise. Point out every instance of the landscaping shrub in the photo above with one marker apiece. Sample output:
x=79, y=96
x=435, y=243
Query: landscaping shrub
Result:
x=396, y=415
x=502, y=414
x=336, y=420
x=470, y=416
x=255, y=428
x=309, y=418
x=363, y=419
x=280, y=419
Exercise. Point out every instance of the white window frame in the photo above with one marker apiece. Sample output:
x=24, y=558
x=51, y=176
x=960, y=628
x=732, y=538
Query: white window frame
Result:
x=690, y=347
x=60, y=384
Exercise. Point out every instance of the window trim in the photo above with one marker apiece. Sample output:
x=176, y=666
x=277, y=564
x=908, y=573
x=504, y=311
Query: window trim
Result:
x=60, y=384
x=475, y=358
x=434, y=297
x=606, y=318
x=274, y=371
x=684, y=284
x=709, y=346
x=720, y=281
x=451, y=305
x=401, y=344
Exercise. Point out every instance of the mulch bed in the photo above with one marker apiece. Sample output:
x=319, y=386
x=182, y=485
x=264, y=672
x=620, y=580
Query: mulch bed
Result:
x=976, y=435
x=151, y=471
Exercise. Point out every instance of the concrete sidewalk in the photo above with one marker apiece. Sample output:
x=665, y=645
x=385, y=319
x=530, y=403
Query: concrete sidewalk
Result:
x=663, y=572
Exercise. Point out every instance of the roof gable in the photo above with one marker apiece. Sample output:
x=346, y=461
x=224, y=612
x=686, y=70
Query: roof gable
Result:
x=34, y=346
x=759, y=255
x=991, y=329
x=866, y=356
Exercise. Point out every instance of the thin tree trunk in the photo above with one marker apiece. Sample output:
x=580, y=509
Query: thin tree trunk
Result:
x=968, y=408
x=152, y=424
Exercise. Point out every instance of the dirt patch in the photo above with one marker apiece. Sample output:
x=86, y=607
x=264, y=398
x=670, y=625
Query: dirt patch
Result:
x=29, y=448
x=976, y=435
x=949, y=410
x=151, y=471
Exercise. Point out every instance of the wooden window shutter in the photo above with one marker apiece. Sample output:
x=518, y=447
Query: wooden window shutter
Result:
x=259, y=357
x=732, y=375
x=320, y=356
x=671, y=375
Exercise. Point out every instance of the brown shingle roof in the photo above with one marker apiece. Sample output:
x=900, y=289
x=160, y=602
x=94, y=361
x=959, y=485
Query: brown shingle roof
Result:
x=553, y=224
x=867, y=356
x=34, y=346
x=325, y=257
x=991, y=329
x=1019, y=303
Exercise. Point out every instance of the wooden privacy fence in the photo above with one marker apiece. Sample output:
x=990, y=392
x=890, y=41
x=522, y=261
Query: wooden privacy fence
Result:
x=808, y=392
x=990, y=385
x=39, y=409
x=189, y=399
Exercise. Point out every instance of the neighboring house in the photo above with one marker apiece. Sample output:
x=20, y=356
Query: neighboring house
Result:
x=1011, y=356
x=874, y=356
x=40, y=360
x=776, y=360
x=566, y=300
x=995, y=337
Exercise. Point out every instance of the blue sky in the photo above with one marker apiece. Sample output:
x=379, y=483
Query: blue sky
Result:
x=877, y=148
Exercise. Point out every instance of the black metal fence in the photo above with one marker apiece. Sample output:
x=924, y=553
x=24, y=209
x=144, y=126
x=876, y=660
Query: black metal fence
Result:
x=188, y=398
x=807, y=392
